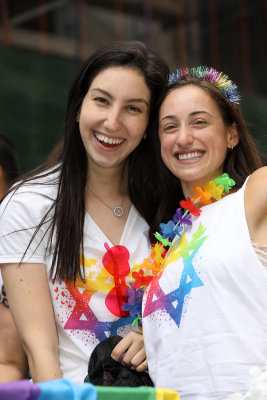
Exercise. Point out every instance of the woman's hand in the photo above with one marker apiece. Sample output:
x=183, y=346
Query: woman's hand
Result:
x=132, y=350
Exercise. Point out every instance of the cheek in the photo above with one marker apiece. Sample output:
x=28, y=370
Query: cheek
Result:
x=82, y=120
x=84, y=127
x=82, y=130
x=144, y=123
x=138, y=129
x=166, y=144
x=83, y=136
x=166, y=149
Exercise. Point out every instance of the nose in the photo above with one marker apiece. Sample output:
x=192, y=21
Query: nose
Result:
x=184, y=137
x=113, y=120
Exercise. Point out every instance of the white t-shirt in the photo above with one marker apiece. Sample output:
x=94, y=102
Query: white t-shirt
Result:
x=87, y=312
x=205, y=317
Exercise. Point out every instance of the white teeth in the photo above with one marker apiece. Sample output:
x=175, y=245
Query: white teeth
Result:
x=189, y=156
x=105, y=139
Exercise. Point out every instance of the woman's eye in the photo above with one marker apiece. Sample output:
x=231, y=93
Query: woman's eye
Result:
x=101, y=100
x=199, y=122
x=134, y=109
x=169, y=128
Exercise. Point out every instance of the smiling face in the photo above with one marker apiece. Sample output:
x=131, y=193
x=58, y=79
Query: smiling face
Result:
x=194, y=139
x=114, y=116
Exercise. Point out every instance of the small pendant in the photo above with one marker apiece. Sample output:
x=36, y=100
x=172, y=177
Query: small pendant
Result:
x=118, y=211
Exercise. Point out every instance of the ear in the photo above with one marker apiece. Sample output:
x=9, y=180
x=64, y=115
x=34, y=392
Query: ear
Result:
x=78, y=116
x=232, y=136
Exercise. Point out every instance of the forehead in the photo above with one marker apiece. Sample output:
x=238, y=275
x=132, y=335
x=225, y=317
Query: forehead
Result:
x=123, y=83
x=188, y=98
x=119, y=72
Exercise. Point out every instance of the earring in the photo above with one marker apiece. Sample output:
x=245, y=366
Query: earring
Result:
x=231, y=148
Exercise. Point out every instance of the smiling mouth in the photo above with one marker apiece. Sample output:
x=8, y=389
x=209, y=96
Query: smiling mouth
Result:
x=190, y=156
x=108, y=141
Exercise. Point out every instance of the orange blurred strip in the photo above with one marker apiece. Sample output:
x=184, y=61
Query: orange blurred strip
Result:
x=235, y=48
x=43, y=27
x=245, y=47
x=265, y=29
x=82, y=26
x=118, y=20
x=5, y=24
x=214, y=35
x=181, y=34
x=147, y=6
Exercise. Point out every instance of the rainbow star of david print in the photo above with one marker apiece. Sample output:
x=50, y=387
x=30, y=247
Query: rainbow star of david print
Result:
x=108, y=277
x=173, y=303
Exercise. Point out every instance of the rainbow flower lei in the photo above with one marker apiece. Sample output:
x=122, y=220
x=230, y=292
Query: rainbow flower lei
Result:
x=212, y=191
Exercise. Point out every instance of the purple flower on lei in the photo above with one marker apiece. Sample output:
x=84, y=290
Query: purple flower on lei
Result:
x=134, y=305
x=183, y=219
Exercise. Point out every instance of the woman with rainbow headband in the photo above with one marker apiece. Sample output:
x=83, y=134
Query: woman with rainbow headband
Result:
x=70, y=235
x=204, y=314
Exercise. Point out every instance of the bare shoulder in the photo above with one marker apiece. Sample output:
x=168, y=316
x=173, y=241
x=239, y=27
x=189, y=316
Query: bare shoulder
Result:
x=260, y=173
x=256, y=204
x=257, y=186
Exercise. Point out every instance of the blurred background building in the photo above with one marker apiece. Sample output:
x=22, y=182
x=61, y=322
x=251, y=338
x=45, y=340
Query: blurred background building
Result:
x=43, y=42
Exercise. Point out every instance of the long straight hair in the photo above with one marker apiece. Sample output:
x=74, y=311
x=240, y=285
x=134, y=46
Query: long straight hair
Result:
x=8, y=159
x=239, y=163
x=68, y=209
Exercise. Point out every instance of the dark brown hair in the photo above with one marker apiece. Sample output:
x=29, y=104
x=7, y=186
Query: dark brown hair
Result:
x=8, y=159
x=239, y=163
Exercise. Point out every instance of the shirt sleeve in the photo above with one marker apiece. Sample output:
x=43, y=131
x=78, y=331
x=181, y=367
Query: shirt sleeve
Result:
x=20, y=214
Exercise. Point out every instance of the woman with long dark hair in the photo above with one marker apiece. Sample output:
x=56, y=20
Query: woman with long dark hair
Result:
x=84, y=222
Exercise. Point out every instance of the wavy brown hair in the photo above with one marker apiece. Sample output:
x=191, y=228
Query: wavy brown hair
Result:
x=239, y=163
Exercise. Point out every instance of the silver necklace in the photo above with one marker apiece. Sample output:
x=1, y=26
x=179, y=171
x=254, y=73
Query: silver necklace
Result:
x=118, y=211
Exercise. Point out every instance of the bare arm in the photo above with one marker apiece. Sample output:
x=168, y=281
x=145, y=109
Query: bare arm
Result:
x=31, y=307
x=133, y=350
x=13, y=360
x=256, y=205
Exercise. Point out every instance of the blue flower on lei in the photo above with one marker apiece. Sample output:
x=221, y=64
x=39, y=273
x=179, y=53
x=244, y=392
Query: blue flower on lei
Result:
x=170, y=230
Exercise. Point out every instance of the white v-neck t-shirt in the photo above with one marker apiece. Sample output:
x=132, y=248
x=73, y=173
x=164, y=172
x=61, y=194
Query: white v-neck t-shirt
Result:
x=87, y=312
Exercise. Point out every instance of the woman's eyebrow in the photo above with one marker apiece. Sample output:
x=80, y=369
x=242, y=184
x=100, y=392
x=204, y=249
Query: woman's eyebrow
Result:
x=191, y=114
x=137, y=101
x=102, y=91
x=168, y=117
x=199, y=112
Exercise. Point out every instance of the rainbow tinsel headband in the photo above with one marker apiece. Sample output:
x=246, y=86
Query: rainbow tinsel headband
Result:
x=218, y=79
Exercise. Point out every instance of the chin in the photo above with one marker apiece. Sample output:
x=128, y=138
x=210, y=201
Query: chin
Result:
x=189, y=177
